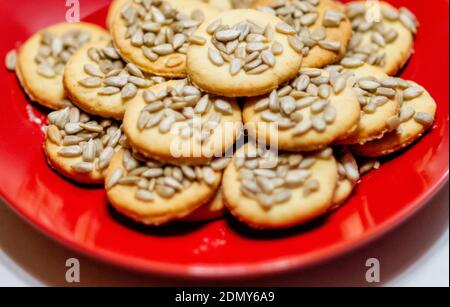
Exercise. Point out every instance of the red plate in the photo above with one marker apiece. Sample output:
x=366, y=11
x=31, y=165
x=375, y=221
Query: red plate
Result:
x=80, y=217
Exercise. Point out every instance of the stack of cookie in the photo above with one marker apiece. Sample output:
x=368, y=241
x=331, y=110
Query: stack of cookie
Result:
x=160, y=108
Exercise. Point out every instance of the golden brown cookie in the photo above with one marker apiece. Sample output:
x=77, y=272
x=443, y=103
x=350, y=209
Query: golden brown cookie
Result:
x=159, y=45
x=43, y=56
x=309, y=113
x=417, y=114
x=348, y=178
x=243, y=53
x=153, y=193
x=382, y=35
x=80, y=147
x=269, y=191
x=378, y=98
x=177, y=123
x=98, y=81
x=212, y=210
x=321, y=25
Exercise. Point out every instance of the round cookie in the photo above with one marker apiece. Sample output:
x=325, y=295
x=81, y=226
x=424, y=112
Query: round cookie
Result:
x=98, y=81
x=349, y=176
x=81, y=148
x=271, y=192
x=379, y=103
x=42, y=58
x=382, y=35
x=321, y=25
x=309, y=113
x=153, y=193
x=417, y=114
x=213, y=210
x=159, y=45
x=242, y=53
x=177, y=123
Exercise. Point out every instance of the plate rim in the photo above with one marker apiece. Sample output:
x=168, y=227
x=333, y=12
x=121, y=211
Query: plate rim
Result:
x=233, y=272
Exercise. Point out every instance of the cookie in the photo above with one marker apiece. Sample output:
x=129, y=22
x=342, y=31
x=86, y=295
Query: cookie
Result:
x=159, y=45
x=417, y=114
x=382, y=35
x=42, y=58
x=322, y=27
x=177, y=123
x=98, y=81
x=378, y=98
x=266, y=191
x=80, y=147
x=348, y=178
x=154, y=193
x=309, y=113
x=243, y=53
x=212, y=210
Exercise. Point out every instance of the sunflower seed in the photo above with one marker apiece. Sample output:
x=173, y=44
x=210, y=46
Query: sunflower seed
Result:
x=108, y=91
x=330, y=45
x=277, y=48
x=393, y=123
x=46, y=71
x=406, y=113
x=91, y=82
x=166, y=124
x=83, y=167
x=284, y=28
x=302, y=128
x=215, y=57
x=214, y=26
x=197, y=40
x=412, y=93
x=318, y=124
x=424, y=118
x=116, y=175
x=129, y=91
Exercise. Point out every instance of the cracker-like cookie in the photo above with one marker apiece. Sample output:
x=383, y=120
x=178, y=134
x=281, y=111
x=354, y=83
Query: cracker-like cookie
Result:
x=270, y=191
x=212, y=210
x=42, y=58
x=309, y=113
x=243, y=53
x=177, y=123
x=321, y=25
x=159, y=45
x=378, y=98
x=348, y=178
x=417, y=114
x=153, y=193
x=98, y=81
x=382, y=35
x=81, y=148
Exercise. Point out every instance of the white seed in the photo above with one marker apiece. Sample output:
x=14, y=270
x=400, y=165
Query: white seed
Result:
x=114, y=179
x=412, y=92
x=83, y=167
x=406, y=113
x=284, y=28
x=11, y=60
x=215, y=57
x=424, y=118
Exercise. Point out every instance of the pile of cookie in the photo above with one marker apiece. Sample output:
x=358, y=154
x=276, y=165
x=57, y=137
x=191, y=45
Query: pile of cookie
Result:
x=186, y=109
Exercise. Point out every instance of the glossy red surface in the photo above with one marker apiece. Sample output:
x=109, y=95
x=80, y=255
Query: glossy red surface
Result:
x=80, y=217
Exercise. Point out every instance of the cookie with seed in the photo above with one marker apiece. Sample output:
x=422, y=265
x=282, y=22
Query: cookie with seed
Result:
x=178, y=123
x=269, y=191
x=154, y=193
x=98, y=81
x=417, y=114
x=348, y=177
x=42, y=58
x=382, y=35
x=80, y=147
x=242, y=53
x=309, y=113
x=323, y=30
x=212, y=210
x=155, y=35
x=379, y=102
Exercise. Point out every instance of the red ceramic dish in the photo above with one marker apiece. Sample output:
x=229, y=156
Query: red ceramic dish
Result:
x=80, y=217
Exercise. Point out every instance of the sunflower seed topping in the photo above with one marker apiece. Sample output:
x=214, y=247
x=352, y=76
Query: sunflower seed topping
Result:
x=274, y=185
